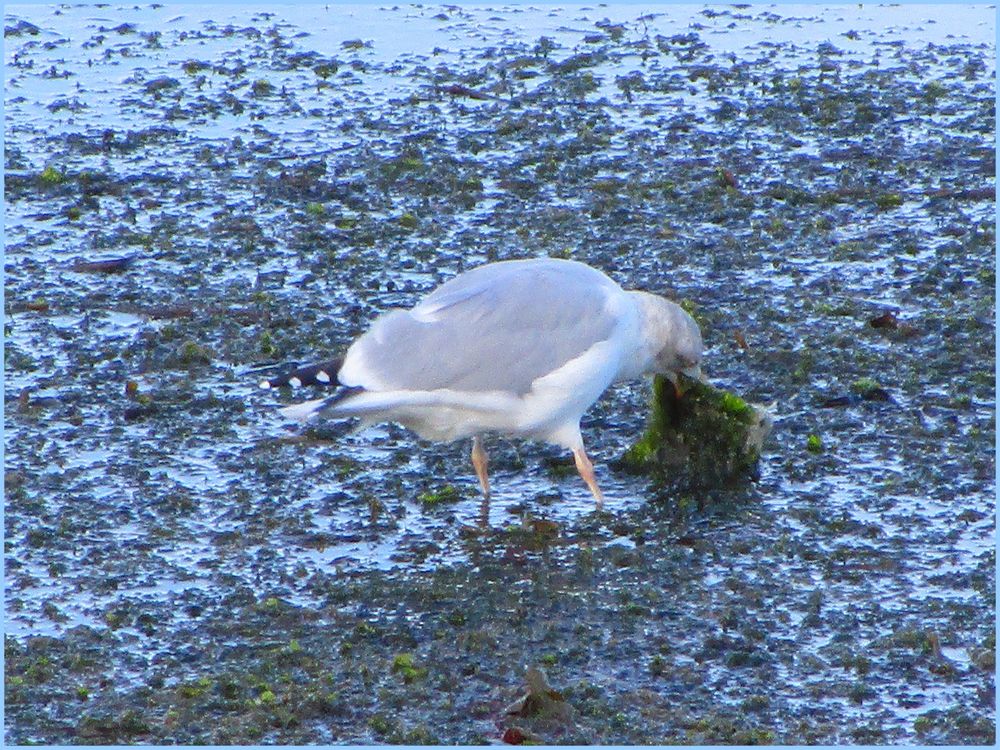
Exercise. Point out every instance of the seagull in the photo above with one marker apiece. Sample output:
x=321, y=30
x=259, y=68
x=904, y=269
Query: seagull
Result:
x=520, y=347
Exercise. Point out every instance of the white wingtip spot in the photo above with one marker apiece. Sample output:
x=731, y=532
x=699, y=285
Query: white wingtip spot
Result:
x=294, y=382
x=265, y=384
x=322, y=377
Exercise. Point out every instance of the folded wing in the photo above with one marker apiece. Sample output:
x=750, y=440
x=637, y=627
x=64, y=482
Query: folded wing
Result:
x=498, y=328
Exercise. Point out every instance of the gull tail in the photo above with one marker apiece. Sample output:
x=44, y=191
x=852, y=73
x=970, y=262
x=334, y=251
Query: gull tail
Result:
x=308, y=409
x=375, y=406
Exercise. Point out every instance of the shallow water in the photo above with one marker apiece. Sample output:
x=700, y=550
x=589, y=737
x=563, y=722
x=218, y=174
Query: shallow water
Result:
x=279, y=177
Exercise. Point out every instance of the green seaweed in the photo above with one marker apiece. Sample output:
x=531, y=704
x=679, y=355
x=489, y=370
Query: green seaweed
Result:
x=887, y=201
x=698, y=436
x=446, y=494
x=52, y=176
x=404, y=665
x=865, y=386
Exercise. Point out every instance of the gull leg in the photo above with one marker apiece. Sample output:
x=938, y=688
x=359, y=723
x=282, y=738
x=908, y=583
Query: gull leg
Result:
x=479, y=463
x=586, y=470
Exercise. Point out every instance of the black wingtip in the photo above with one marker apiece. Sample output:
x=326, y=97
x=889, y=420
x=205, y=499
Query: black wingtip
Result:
x=319, y=373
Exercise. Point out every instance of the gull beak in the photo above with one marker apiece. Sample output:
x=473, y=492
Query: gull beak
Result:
x=694, y=373
x=674, y=376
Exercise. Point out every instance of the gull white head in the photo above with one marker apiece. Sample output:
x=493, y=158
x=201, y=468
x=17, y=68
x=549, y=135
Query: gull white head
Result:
x=673, y=337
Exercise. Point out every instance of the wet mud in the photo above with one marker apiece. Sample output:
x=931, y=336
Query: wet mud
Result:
x=193, y=194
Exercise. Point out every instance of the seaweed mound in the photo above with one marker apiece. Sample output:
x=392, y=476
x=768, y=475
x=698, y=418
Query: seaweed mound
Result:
x=699, y=437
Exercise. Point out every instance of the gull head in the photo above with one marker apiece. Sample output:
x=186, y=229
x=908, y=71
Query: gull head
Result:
x=673, y=337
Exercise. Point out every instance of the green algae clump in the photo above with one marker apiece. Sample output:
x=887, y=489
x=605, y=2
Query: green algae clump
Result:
x=52, y=176
x=405, y=665
x=446, y=494
x=698, y=436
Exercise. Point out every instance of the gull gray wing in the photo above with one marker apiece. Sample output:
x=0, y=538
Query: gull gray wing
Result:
x=495, y=328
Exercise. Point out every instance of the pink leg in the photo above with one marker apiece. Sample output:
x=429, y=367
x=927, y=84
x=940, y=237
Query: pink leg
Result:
x=586, y=470
x=479, y=463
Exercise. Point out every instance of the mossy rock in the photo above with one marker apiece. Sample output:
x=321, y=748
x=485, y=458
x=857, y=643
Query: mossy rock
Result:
x=698, y=436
